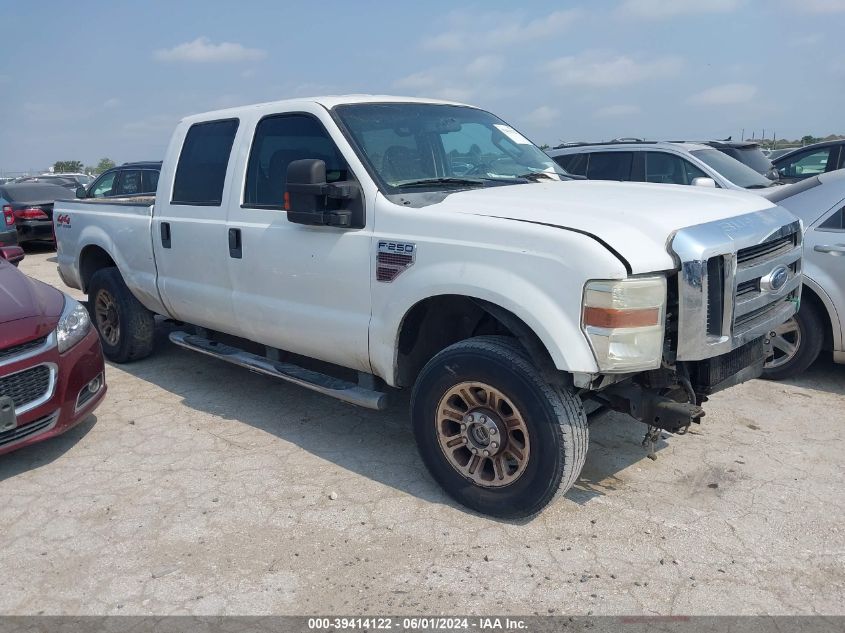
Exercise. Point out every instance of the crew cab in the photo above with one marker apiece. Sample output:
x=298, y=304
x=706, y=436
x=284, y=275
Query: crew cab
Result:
x=355, y=245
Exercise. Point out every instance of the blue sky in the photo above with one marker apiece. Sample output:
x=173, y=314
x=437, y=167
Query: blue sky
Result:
x=82, y=80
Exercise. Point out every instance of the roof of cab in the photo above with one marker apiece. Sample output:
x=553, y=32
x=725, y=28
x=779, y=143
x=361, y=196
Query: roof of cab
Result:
x=575, y=148
x=328, y=102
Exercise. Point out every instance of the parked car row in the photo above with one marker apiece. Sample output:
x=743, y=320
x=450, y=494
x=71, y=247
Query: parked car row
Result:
x=678, y=163
x=27, y=203
x=820, y=323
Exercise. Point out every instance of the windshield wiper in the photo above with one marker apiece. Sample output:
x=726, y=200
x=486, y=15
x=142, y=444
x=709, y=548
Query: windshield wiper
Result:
x=535, y=176
x=425, y=182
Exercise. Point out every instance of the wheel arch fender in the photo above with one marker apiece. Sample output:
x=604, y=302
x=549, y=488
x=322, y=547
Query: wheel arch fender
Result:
x=832, y=317
x=98, y=250
x=528, y=311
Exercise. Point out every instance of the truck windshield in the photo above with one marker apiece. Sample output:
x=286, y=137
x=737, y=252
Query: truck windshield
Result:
x=735, y=171
x=430, y=146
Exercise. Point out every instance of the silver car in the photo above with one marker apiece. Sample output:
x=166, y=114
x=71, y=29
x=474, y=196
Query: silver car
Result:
x=820, y=323
x=658, y=161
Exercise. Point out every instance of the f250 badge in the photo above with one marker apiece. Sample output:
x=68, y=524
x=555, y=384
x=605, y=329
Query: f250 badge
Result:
x=63, y=219
x=392, y=258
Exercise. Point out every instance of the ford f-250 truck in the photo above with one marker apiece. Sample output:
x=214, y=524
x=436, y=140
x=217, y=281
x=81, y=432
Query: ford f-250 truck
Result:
x=356, y=244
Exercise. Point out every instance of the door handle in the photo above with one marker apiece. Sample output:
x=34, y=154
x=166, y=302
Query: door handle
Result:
x=835, y=249
x=165, y=234
x=235, y=248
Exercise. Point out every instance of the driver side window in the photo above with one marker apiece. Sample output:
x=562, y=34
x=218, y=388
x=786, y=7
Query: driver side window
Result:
x=280, y=140
x=806, y=164
x=103, y=187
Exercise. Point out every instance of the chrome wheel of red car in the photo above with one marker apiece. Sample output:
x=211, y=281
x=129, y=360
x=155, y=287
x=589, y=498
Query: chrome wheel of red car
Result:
x=108, y=321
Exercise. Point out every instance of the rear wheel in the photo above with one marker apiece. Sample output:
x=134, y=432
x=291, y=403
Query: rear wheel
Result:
x=125, y=326
x=493, y=432
x=794, y=346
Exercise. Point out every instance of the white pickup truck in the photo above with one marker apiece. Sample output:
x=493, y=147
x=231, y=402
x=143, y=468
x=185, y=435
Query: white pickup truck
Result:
x=357, y=244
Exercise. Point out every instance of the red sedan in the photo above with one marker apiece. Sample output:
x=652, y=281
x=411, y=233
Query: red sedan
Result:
x=51, y=363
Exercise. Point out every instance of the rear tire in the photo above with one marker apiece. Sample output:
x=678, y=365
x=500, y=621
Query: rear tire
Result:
x=489, y=385
x=125, y=326
x=797, y=344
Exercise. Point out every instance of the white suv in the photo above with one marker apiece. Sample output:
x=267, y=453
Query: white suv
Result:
x=658, y=162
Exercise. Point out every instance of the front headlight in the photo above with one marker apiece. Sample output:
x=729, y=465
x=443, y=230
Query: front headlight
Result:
x=624, y=322
x=73, y=324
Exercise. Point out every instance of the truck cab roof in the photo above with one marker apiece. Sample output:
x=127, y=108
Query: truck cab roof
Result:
x=327, y=101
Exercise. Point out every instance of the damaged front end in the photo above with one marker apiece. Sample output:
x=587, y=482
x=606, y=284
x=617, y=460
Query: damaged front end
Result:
x=737, y=280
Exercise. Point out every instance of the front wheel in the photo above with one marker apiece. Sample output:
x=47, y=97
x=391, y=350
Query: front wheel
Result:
x=493, y=432
x=794, y=346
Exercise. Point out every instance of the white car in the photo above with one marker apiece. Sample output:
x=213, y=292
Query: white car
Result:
x=820, y=323
x=658, y=162
x=429, y=245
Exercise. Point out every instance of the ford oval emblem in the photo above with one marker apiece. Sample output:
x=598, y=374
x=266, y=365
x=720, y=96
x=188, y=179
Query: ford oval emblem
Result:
x=775, y=280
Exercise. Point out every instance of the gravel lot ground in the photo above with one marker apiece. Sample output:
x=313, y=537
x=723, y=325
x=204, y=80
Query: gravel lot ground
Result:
x=199, y=488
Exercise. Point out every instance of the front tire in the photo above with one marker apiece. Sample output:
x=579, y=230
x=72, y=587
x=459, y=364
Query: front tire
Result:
x=125, y=326
x=493, y=433
x=796, y=344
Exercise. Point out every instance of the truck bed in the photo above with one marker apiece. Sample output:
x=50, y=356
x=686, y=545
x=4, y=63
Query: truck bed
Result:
x=113, y=227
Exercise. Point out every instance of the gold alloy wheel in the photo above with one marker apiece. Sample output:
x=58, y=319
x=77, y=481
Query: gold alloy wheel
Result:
x=482, y=434
x=108, y=322
x=783, y=342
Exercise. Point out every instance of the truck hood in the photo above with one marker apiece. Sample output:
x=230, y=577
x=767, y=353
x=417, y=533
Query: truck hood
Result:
x=636, y=220
x=25, y=298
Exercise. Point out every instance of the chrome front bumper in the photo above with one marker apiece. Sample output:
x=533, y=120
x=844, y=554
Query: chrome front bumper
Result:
x=738, y=279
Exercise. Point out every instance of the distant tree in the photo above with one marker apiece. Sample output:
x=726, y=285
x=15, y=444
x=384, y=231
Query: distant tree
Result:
x=544, y=146
x=103, y=165
x=808, y=140
x=67, y=166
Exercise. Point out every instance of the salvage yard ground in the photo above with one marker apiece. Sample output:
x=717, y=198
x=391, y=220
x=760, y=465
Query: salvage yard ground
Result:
x=201, y=488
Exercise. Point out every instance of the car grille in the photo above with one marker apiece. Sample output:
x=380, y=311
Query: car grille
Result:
x=726, y=293
x=753, y=304
x=709, y=373
x=766, y=251
x=20, y=433
x=23, y=348
x=27, y=386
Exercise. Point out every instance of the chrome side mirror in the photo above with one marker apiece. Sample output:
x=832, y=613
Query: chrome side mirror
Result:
x=704, y=182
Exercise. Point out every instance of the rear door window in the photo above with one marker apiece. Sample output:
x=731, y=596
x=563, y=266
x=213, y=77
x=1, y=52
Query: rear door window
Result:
x=201, y=171
x=667, y=168
x=149, y=181
x=129, y=184
x=610, y=166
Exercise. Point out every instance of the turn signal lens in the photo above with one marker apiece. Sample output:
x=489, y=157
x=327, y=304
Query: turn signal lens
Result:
x=612, y=318
x=624, y=322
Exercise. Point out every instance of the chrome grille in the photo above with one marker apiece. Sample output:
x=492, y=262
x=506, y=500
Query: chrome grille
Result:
x=755, y=302
x=27, y=386
x=725, y=298
x=23, y=348
x=766, y=251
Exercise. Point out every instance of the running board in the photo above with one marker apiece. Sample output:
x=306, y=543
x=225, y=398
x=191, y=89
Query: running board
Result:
x=321, y=383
